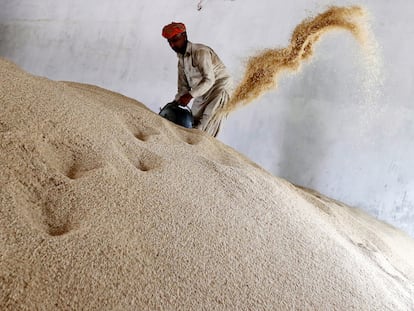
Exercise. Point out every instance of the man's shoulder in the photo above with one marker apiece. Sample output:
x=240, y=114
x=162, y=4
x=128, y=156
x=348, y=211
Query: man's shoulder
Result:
x=200, y=47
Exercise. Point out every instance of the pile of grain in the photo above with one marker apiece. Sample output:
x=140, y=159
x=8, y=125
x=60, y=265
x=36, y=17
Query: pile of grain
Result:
x=106, y=206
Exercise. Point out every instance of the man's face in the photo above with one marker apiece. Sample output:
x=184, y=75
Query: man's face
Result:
x=179, y=43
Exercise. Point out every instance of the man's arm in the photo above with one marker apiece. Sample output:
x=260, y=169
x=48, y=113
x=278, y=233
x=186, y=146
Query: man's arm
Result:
x=182, y=83
x=205, y=65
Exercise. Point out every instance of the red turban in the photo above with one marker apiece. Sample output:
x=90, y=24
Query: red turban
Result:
x=172, y=30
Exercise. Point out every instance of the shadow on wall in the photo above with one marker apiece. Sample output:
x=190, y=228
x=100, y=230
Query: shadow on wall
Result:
x=3, y=40
x=309, y=126
x=14, y=38
x=302, y=155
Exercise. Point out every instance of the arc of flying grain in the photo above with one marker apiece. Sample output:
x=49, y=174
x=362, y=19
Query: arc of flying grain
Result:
x=263, y=70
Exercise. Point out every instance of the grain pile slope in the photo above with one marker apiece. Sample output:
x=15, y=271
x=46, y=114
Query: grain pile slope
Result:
x=105, y=205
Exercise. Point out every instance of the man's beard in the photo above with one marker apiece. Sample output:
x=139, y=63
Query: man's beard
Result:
x=181, y=50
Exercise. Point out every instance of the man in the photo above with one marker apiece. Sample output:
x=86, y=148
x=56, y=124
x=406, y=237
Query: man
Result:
x=201, y=75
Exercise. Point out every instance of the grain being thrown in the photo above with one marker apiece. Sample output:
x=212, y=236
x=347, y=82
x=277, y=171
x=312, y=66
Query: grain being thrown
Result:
x=264, y=69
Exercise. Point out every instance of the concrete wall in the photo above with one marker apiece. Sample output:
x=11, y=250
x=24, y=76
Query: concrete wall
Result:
x=322, y=128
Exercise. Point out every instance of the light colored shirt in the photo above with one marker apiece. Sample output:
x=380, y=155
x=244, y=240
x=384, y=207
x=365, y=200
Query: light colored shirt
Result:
x=201, y=72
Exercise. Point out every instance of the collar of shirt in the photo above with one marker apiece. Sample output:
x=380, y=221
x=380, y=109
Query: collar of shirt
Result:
x=188, y=50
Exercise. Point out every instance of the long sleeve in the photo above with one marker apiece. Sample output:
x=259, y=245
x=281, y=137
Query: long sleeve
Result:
x=182, y=83
x=205, y=66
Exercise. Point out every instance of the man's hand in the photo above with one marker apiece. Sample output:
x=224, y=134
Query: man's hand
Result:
x=185, y=99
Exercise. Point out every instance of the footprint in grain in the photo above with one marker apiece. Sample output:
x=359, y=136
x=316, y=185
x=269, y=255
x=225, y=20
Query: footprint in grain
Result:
x=146, y=134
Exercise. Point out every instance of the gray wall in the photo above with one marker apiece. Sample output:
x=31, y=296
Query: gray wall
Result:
x=322, y=128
